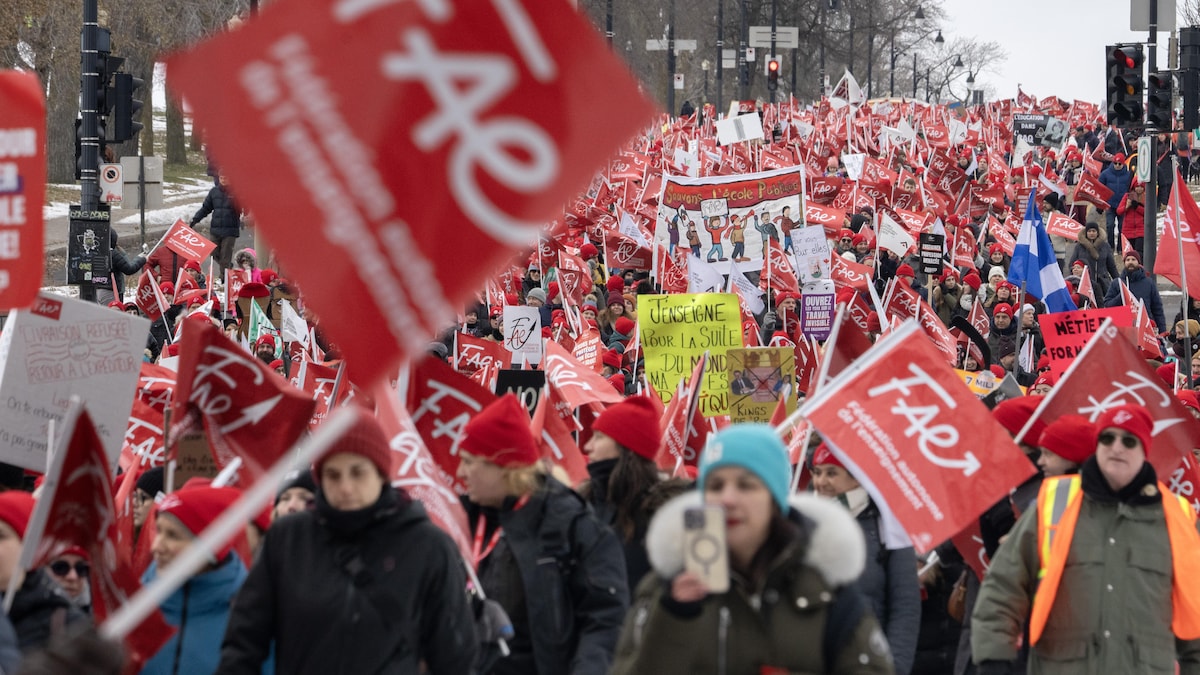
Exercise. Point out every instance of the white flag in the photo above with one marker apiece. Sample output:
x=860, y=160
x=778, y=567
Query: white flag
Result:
x=293, y=328
x=893, y=236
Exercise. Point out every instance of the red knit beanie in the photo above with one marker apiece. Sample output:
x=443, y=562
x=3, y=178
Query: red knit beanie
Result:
x=905, y=270
x=1015, y=412
x=615, y=284
x=624, y=325
x=1189, y=398
x=588, y=251
x=198, y=507
x=1131, y=418
x=15, y=509
x=612, y=359
x=634, y=423
x=822, y=455
x=364, y=438
x=500, y=434
x=1070, y=437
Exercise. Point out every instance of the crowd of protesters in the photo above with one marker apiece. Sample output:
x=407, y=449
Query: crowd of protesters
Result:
x=347, y=573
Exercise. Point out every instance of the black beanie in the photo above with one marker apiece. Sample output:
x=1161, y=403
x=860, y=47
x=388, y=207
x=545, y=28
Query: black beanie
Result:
x=151, y=482
x=300, y=478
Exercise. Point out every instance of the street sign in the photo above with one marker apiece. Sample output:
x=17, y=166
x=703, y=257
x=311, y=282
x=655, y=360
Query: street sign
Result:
x=1145, y=165
x=151, y=171
x=110, y=184
x=786, y=37
x=679, y=81
x=729, y=58
x=1139, y=15
x=680, y=46
x=749, y=54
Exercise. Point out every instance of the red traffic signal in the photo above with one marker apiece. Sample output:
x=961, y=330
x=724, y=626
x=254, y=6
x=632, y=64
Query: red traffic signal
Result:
x=773, y=66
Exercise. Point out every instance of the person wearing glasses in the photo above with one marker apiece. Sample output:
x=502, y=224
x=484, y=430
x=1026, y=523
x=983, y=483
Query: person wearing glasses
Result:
x=71, y=571
x=1103, y=570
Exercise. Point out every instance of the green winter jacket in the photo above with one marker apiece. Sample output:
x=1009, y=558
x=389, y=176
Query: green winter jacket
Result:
x=783, y=625
x=1112, y=612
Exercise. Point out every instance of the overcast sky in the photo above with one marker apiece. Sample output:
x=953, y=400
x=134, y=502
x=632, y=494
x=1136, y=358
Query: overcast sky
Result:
x=1054, y=46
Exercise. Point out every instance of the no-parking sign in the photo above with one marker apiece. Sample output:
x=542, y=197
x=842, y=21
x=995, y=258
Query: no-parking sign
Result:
x=110, y=184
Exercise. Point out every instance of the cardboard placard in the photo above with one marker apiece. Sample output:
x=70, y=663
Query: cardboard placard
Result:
x=59, y=347
x=676, y=330
x=758, y=378
x=526, y=385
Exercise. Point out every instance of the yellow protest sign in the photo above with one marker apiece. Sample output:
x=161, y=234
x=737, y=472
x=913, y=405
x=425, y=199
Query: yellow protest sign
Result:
x=676, y=330
x=758, y=378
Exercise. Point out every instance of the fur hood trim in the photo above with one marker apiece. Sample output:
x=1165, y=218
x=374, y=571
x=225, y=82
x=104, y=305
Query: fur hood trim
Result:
x=836, y=548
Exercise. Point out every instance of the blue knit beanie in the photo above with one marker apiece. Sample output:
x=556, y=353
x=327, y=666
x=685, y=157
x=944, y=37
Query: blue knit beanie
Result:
x=754, y=447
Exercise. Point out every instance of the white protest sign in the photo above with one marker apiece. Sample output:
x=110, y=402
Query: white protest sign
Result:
x=58, y=347
x=811, y=252
x=714, y=208
x=523, y=333
x=854, y=164
x=740, y=128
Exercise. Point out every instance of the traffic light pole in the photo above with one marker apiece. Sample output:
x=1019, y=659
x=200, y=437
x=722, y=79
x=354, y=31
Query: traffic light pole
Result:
x=774, y=8
x=721, y=57
x=1150, y=244
x=671, y=58
x=743, y=67
x=89, y=142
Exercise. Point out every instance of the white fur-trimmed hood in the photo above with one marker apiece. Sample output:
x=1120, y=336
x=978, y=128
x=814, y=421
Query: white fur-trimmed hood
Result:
x=836, y=546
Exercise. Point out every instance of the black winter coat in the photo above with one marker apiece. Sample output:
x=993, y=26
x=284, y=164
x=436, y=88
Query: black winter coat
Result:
x=122, y=265
x=1144, y=289
x=572, y=570
x=41, y=611
x=226, y=216
x=332, y=602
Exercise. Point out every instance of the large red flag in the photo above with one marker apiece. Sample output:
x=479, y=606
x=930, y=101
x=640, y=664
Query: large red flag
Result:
x=900, y=418
x=682, y=424
x=492, y=104
x=248, y=410
x=442, y=402
x=1110, y=372
x=76, y=511
x=416, y=472
x=576, y=383
x=1188, y=228
x=148, y=297
x=555, y=441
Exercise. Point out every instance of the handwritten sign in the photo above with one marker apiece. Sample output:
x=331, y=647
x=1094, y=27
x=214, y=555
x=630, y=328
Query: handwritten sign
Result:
x=758, y=378
x=817, y=309
x=811, y=252
x=59, y=347
x=676, y=330
x=1066, y=333
x=523, y=333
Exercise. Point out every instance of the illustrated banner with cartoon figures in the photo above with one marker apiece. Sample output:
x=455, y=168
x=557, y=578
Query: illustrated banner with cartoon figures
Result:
x=58, y=347
x=676, y=330
x=758, y=378
x=731, y=217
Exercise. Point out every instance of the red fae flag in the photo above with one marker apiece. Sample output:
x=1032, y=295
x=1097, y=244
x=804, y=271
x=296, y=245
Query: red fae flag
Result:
x=187, y=242
x=917, y=438
x=387, y=121
x=76, y=509
x=148, y=297
x=576, y=383
x=1188, y=228
x=416, y=473
x=248, y=410
x=22, y=187
x=442, y=402
x=1109, y=372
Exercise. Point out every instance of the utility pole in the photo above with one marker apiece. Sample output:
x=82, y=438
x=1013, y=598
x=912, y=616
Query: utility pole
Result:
x=720, y=56
x=774, y=27
x=1150, y=245
x=743, y=67
x=671, y=58
x=608, y=29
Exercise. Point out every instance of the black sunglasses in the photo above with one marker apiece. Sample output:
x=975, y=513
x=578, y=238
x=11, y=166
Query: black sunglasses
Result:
x=1108, y=438
x=62, y=568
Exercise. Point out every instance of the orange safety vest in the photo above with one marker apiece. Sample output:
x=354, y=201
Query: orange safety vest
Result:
x=1058, y=505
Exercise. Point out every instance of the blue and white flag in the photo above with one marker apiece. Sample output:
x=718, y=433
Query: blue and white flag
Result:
x=1034, y=263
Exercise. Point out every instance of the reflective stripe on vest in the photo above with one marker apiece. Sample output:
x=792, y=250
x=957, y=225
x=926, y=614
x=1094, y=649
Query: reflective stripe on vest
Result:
x=1053, y=498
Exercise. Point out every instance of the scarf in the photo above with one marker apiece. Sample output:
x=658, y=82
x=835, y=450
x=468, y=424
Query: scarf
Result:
x=350, y=524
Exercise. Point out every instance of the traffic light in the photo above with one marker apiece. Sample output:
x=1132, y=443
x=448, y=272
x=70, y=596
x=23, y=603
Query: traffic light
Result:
x=126, y=109
x=1124, y=64
x=773, y=74
x=107, y=66
x=1160, y=89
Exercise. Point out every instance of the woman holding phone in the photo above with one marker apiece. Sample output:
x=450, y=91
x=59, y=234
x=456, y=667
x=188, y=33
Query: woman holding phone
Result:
x=790, y=605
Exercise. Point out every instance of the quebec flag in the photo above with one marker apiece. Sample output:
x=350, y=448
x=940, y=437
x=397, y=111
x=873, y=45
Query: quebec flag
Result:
x=1034, y=263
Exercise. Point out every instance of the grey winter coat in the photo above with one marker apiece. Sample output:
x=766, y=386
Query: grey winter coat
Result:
x=890, y=582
